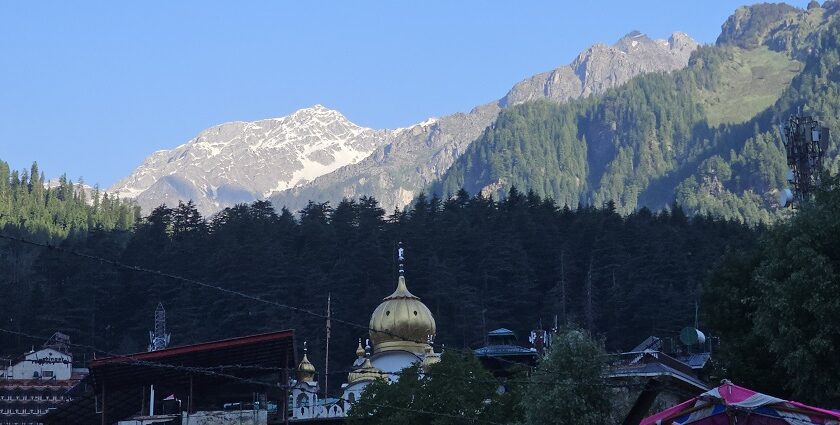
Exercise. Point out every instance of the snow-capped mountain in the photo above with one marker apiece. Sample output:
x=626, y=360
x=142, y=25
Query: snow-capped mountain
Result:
x=317, y=154
x=244, y=161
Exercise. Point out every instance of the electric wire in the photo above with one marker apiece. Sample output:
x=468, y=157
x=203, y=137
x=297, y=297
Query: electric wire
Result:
x=228, y=291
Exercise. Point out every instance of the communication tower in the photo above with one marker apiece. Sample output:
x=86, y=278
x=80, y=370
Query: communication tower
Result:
x=159, y=339
x=805, y=144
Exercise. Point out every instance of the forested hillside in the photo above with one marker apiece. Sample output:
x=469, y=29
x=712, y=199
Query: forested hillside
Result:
x=49, y=212
x=478, y=264
x=705, y=136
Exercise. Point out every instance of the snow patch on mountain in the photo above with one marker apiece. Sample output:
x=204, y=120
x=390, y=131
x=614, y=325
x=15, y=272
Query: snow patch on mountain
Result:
x=245, y=161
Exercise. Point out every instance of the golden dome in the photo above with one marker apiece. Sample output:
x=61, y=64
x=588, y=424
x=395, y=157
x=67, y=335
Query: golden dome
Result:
x=365, y=372
x=360, y=351
x=401, y=322
x=305, y=370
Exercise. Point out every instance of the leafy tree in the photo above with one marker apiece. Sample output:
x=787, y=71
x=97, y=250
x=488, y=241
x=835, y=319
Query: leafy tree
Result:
x=775, y=305
x=478, y=263
x=798, y=283
x=568, y=385
x=457, y=390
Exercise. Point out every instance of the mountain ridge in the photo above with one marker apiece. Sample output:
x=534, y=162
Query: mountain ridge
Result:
x=704, y=136
x=240, y=161
x=397, y=172
x=391, y=165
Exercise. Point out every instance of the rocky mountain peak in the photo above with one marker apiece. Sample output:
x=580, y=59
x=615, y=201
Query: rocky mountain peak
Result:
x=317, y=154
x=317, y=112
x=418, y=155
x=243, y=161
x=601, y=66
x=632, y=41
x=750, y=25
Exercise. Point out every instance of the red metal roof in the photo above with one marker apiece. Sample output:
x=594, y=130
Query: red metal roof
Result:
x=197, y=348
x=248, y=356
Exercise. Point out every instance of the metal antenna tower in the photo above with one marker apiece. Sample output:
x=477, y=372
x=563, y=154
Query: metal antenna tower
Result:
x=805, y=144
x=159, y=339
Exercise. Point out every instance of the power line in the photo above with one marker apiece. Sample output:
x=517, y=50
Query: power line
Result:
x=122, y=265
x=200, y=283
x=159, y=273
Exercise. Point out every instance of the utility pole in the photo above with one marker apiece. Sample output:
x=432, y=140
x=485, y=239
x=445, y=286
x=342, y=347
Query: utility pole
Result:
x=327, y=355
x=158, y=340
x=590, y=314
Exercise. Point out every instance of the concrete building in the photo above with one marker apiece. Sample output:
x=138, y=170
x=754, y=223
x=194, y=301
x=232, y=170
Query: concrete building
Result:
x=38, y=382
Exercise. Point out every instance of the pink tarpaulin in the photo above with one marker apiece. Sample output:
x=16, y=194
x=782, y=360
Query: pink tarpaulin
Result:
x=730, y=404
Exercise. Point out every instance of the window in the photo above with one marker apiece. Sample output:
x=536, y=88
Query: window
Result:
x=48, y=374
x=302, y=400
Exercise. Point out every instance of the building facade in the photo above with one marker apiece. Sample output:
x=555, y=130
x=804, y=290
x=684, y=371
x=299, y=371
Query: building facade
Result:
x=37, y=382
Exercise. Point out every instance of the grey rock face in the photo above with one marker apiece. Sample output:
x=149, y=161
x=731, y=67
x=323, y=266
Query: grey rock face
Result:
x=601, y=67
x=243, y=161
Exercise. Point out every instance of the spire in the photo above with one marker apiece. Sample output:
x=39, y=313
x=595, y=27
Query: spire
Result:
x=401, y=258
x=305, y=370
x=360, y=351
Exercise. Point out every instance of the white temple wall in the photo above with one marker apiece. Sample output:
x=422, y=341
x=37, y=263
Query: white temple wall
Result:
x=394, y=361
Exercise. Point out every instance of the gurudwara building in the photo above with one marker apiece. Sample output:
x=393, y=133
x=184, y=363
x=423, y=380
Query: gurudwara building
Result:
x=402, y=330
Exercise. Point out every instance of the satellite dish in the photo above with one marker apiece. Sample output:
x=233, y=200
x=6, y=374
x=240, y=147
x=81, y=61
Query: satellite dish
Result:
x=692, y=336
x=785, y=197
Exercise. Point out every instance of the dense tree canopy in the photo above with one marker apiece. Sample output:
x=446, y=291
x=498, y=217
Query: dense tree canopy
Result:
x=706, y=134
x=477, y=263
x=458, y=390
x=49, y=212
x=777, y=305
x=568, y=386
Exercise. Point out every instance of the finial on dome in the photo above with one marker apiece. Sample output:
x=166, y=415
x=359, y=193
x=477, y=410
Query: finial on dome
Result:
x=360, y=351
x=401, y=258
x=305, y=370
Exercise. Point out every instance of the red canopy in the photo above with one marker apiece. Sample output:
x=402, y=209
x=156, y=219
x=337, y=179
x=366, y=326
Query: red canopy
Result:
x=729, y=404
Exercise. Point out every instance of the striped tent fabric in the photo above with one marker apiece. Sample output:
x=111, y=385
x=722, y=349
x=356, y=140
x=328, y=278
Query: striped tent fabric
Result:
x=730, y=404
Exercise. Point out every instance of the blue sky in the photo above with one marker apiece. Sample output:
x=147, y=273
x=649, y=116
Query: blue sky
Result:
x=91, y=88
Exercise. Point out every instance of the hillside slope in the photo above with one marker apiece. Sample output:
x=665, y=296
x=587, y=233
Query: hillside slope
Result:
x=399, y=170
x=703, y=135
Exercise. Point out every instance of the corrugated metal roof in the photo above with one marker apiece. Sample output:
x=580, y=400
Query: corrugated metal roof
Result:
x=504, y=350
x=696, y=361
x=656, y=369
x=651, y=343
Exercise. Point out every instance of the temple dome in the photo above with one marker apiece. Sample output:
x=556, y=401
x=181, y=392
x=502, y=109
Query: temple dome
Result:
x=305, y=370
x=365, y=372
x=401, y=322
